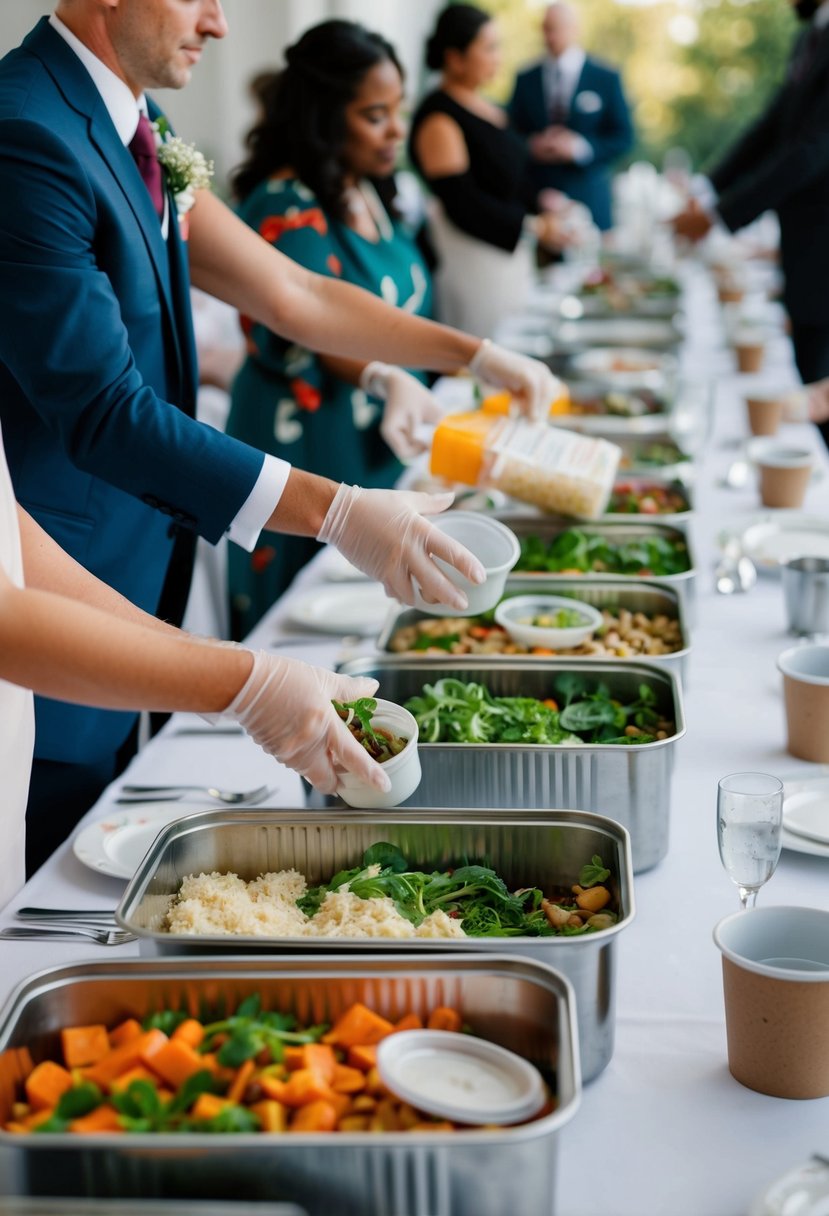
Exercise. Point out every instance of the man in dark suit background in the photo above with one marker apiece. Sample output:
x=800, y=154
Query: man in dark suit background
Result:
x=573, y=110
x=781, y=164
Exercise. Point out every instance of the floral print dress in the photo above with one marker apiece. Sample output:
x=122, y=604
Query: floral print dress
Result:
x=284, y=401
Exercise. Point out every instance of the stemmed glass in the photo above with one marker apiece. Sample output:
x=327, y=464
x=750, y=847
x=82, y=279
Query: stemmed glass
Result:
x=749, y=823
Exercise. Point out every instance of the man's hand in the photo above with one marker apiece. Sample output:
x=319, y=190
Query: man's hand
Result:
x=554, y=145
x=693, y=223
x=409, y=406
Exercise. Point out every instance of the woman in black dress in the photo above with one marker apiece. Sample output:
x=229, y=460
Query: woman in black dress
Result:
x=488, y=215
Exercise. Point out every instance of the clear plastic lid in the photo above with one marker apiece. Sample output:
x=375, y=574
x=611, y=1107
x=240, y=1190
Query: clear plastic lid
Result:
x=459, y=1077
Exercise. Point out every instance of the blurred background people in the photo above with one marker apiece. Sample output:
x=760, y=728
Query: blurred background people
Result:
x=478, y=169
x=318, y=185
x=781, y=164
x=572, y=110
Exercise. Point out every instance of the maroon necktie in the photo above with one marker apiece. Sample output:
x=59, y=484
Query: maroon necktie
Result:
x=143, y=149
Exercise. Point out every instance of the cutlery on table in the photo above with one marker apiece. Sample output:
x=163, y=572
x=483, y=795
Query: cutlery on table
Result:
x=103, y=937
x=735, y=573
x=97, y=919
x=163, y=793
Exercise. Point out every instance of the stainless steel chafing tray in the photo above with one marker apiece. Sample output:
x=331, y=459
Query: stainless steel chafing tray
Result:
x=631, y=784
x=640, y=595
x=549, y=527
x=19, y=1206
x=545, y=849
x=523, y=1006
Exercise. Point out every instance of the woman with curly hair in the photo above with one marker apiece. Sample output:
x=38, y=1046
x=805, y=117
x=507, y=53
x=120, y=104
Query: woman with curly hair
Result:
x=318, y=185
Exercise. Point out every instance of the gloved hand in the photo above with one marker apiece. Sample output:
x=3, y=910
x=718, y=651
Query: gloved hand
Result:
x=409, y=404
x=532, y=383
x=285, y=706
x=384, y=533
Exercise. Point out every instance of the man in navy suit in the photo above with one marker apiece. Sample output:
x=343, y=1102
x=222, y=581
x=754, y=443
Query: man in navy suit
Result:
x=97, y=359
x=574, y=113
x=781, y=164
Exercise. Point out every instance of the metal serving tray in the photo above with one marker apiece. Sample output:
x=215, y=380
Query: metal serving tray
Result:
x=550, y=526
x=525, y=1007
x=130, y=1207
x=624, y=331
x=545, y=849
x=640, y=596
x=674, y=519
x=629, y=784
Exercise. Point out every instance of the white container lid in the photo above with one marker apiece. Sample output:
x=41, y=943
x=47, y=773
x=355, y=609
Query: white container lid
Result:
x=459, y=1077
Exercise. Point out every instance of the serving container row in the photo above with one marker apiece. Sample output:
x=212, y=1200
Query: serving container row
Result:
x=523, y=1006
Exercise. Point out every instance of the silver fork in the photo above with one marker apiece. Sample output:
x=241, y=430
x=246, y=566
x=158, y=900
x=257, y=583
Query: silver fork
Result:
x=75, y=932
x=160, y=793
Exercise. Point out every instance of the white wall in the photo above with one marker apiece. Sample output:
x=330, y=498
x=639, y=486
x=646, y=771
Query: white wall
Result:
x=214, y=111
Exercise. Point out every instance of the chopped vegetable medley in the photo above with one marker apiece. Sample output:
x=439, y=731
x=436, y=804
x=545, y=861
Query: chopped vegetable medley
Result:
x=380, y=743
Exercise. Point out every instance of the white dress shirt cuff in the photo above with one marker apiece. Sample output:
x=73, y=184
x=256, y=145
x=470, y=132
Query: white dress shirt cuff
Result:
x=582, y=149
x=260, y=504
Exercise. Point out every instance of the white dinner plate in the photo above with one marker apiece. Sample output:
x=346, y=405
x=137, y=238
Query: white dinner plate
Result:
x=802, y=1191
x=117, y=845
x=800, y=793
x=773, y=537
x=806, y=813
x=345, y=608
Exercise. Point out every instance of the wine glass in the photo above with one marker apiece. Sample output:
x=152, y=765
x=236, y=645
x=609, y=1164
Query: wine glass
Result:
x=749, y=823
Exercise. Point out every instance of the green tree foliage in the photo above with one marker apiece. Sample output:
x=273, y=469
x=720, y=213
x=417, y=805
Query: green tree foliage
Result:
x=696, y=73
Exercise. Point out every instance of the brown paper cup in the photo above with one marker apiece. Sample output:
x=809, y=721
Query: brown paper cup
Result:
x=806, y=696
x=749, y=356
x=777, y=1012
x=783, y=485
x=764, y=414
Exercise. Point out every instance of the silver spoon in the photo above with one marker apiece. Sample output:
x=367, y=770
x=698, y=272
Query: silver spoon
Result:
x=159, y=793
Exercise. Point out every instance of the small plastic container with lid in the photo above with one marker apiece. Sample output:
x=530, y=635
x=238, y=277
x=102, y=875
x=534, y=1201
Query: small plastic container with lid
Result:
x=554, y=469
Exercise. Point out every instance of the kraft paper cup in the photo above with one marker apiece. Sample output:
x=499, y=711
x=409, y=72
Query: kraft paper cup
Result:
x=805, y=672
x=764, y=414
x=784, y=473
x=750, y=356
x=775, y=965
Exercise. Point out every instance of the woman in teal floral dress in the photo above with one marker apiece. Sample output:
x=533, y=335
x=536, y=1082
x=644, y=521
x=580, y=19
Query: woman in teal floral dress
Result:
x=318, y=185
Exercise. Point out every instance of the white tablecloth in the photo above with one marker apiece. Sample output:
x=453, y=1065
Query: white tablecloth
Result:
x=665, y=1129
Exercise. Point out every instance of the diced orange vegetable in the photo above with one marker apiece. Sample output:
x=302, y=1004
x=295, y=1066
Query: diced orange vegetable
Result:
x=444, y=1018
x=207, y=1106
x=45, y=1084
x=190, y=1032
x=139, y=1073
x=273, y=1116
x=30, y=1122
x=293, y=1058
x=410, y=1022
x=374, y=1084
x=304, y=1086
x=354, y=1123
x=174, y=1062
x=316, y=1116
x=363, y=1104
x=135, y=1051
x=362, y=1057
x=84, y=1044
x=240, y=1081
x=130, y=1029
x=320, y=1057
x=102, y=1119
x=347, y=1080
x=548, y=701
x=358, y=1025
x=274, y=1087
x=444, y=1126
x=544, y=650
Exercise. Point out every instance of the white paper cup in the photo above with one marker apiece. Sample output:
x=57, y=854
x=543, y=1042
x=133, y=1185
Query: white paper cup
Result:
x=805, y=672
x=776, y=986
x=496, y=548
x=403, y=770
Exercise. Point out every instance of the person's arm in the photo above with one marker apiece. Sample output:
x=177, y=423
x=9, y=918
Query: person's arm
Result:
x=68, y=636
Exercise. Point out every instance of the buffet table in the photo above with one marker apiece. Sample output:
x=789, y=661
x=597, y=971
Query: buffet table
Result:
x=665, y=1129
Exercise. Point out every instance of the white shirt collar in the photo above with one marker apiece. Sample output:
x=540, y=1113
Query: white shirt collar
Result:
x=569, y=62
x=122, y=106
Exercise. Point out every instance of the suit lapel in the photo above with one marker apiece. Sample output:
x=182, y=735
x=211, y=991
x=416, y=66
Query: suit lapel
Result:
x=79, y=91
x=582, y=82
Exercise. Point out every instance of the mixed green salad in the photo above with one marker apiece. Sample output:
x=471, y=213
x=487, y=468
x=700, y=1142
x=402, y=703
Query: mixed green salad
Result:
x=474, y=894
x=581, y=711
x=578, y=552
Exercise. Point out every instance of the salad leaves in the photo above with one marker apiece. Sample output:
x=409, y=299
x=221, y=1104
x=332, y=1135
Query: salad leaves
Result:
x=576, y=551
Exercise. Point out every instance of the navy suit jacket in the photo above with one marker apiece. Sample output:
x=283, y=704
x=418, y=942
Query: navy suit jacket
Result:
x=598, y=112
x=98, y=368
x=782, y=164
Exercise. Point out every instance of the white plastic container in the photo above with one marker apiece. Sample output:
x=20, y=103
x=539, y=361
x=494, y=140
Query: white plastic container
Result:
x=496, y=548
x=403, y=770
x=513, y=614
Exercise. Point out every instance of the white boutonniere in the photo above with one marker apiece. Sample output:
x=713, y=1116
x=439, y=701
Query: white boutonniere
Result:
x=185, y=167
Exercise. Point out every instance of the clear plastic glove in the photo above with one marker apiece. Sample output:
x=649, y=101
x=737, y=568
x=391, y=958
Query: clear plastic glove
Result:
x=409, y=405
x=385, y=534
x=532, y=384
x=285, y=706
